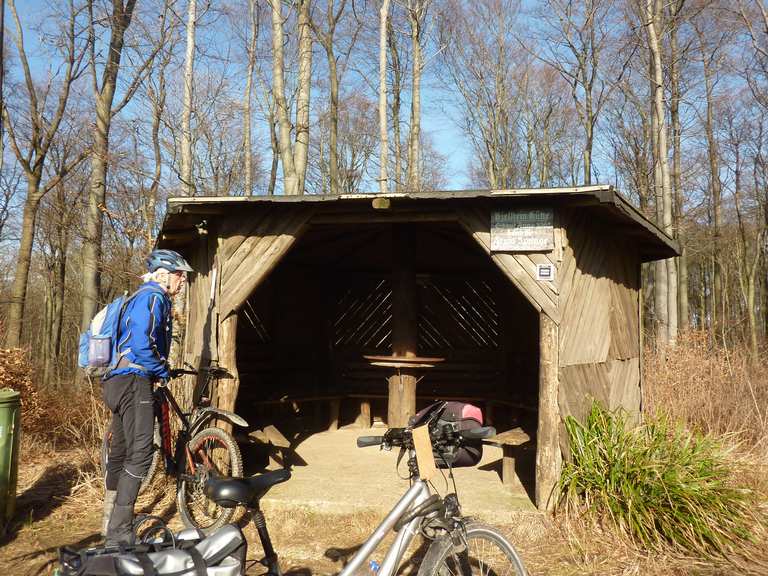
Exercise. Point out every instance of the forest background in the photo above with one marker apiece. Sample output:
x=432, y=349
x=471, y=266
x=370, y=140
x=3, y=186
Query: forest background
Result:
x=111, y=106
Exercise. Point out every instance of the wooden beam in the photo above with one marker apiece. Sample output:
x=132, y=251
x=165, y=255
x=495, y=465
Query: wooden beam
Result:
x=226, y=388
x=384, y=217
x=402, y=383
x=548, y=458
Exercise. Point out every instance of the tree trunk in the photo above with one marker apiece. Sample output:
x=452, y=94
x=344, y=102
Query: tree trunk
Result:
x=121, y=19
x=290, y=183
x=275, y=147
x=668, y=284
x=414, y=178
x=20, y=279
x=397, y=88
x=383, y=130
x=589, y=137
x=301, y=149
x=715, y=189
x=294, y=158
x=94, y=223
x=247, y=145
x=187, y=182
x=677, y=185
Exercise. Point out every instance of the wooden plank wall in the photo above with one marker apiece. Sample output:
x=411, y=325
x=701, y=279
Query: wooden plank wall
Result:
x=200, y=340
x=520, y=268
x=599, y=329
x=249, y=248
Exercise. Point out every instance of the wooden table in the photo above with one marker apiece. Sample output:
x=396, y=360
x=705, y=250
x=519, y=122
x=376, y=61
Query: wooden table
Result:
x=510, y=442
x=402, y=383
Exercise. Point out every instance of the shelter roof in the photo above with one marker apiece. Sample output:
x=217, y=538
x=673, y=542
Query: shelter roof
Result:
x=602, y=201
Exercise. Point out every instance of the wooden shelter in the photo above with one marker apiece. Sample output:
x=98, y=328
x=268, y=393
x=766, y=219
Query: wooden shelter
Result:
x=525, y=301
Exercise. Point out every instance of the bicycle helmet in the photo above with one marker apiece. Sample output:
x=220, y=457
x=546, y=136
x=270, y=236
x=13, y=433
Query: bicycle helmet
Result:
x=167, y=259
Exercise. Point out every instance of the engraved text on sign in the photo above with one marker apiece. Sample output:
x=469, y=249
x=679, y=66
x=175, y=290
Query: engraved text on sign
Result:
x=522, y=230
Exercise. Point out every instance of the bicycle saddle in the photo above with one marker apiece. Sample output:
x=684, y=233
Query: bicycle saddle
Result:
x=229, y=492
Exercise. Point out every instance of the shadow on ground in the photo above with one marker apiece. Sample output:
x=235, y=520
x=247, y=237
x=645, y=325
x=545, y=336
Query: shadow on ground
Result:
x=409, y=565
x=40, y=500
x=53, y=553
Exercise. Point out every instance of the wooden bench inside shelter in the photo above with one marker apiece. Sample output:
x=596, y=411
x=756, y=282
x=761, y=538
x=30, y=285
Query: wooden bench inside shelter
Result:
x=511, y=442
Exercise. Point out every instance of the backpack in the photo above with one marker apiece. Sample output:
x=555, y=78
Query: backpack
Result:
x=98, y=353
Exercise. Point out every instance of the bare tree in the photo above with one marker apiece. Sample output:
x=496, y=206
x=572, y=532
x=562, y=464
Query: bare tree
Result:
x=31, y=136
x=325, y=36
x=293, y=155
x=710, y=43
x=105, y=86
x=417, y=10
x=383, y=130
x=187, y=180
x=577, y=36
x=251, y=44
x=666, y=270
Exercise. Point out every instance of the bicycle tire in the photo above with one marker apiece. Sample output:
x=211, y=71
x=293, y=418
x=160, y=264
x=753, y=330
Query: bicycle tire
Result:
x=486, y=553
x=104, y=456
x=195, y=509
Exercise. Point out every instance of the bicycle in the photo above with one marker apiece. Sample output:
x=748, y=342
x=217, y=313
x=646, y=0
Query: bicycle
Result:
x=201, y=451
x=458, y=544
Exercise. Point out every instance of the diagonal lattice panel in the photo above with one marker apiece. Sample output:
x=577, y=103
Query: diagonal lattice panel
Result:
x=457, y=313
x=363, y=314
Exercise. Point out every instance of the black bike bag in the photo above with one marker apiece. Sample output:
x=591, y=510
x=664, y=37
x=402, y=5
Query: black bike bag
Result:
x=455, y=417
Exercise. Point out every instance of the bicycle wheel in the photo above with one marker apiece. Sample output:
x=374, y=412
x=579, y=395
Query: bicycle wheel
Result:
x=152, y=466
x=485, y=553
x=213, y=453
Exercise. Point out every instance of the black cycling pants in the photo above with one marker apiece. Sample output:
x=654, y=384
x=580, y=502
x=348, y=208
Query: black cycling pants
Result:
x=129, y=397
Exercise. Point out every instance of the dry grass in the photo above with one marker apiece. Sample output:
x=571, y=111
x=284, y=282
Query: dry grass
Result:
x=712, y=389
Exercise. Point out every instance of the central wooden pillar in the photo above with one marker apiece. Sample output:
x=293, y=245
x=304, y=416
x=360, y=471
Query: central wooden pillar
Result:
x=405, y=335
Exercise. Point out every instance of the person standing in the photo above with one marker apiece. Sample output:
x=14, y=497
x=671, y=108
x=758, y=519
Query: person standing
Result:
x=143, y=343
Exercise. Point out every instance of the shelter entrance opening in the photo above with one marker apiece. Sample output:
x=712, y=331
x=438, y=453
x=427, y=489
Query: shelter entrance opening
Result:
x=363, y=324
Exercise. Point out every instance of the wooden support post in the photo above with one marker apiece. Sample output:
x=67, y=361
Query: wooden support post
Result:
x=548, y=458
x=335, y=408
x=507, y=464
x=226, y=393
x=364, y=418
x=402, y=398
x=402, y=384
x=489, y=413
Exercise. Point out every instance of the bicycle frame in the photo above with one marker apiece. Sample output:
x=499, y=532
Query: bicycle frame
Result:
x=200, y=417
x=415, y=495
x=171, y=453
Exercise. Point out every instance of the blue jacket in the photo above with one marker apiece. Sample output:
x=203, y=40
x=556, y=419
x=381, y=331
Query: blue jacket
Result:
x=144, y=335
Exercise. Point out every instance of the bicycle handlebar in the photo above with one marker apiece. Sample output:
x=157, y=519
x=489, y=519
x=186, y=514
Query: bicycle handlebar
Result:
x=402, y=436
x=478, y=433
x=365, y=441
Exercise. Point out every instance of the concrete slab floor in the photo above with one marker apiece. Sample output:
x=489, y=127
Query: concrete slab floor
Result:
x=340, y=478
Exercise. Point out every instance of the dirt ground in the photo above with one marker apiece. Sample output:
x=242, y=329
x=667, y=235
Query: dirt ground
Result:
x=336, y=497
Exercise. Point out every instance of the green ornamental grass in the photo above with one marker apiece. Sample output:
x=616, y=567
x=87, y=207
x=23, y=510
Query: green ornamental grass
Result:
x=657, y=482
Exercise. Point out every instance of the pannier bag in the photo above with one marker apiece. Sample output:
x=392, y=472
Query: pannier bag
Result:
x=188, y=553
x=456, y=416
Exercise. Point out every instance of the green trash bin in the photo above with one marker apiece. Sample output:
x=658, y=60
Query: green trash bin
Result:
x=10, y=430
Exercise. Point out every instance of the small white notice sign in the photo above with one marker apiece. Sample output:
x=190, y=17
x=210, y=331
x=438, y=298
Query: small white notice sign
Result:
x=522, y=230
x=545, y=272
